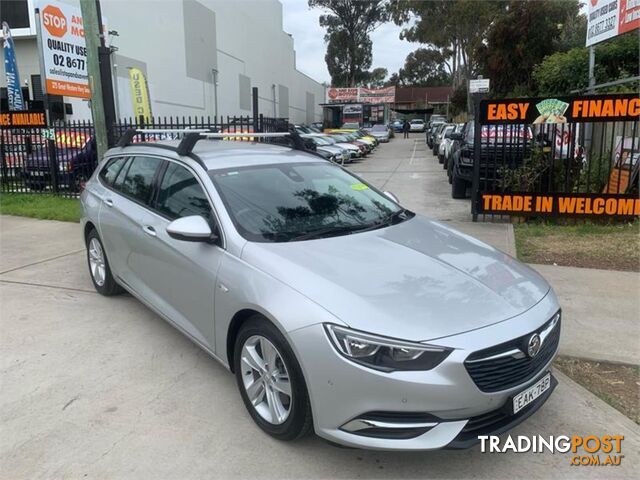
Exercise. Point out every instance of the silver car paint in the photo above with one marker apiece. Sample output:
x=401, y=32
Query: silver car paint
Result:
x=418, y=280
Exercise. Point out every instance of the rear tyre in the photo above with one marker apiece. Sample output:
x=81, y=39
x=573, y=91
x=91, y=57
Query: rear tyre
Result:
x=458, y=188
x=99, y=270
x=270, y=380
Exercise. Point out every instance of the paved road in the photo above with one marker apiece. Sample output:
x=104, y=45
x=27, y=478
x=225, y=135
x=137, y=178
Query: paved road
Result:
x=103, y=388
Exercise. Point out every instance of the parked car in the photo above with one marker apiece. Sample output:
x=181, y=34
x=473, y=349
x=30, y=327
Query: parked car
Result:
x=417, y=125
x=337, y=309
x=397, y=125
x=76, y=158
x=350, y=126
x=450, y=144
x=444, y=140
x=337, y=154
x=355, y=151
x=505, y=146
x=380, y=132
x=431, y=132
x=437, y=137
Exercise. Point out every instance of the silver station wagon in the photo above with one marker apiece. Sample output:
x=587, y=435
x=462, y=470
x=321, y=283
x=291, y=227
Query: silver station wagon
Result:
x=337, y=309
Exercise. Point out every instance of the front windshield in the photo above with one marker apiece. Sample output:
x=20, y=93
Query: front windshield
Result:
x=297, y=201
x=379, y=128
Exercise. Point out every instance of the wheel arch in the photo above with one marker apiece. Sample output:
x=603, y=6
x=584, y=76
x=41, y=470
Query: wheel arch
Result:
x=87, y=228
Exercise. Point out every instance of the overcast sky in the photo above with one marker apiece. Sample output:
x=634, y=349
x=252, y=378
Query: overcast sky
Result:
x=302, y=22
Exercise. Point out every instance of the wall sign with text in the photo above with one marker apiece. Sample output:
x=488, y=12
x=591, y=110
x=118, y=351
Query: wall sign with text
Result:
x=592, y=108
x=23, y=119
x=559, y=205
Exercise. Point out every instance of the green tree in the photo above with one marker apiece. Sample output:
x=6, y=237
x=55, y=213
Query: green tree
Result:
x=349, y=24
x=376, y=77
x=519, y=39
x=563, y=72
x=424, y=68
x=457, y=28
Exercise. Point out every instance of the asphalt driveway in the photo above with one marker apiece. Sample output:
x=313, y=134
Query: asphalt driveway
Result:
x=103, y=388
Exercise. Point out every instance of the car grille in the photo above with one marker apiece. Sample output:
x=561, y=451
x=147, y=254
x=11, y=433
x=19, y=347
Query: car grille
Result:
x=507, y=365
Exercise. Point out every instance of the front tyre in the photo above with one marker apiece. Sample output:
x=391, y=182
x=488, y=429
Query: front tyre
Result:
x=270, y=380
x=99, y=269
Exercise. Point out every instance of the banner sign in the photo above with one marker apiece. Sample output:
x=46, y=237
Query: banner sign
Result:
x=377, y=95
x=342, y=94
x=609, y=18
x=23, y=119
x=592, y=108
x=361, y=94
x=566, y=205
x=355, y=109
x=139, y=94
x=14, y=92
x=64, y=50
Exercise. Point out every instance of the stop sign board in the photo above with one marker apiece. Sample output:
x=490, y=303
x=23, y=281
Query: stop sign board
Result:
x=54, y=21
x=64, y=50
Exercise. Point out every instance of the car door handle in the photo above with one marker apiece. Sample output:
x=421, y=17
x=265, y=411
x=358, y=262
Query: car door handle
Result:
x=108, y=202
x=149, y=230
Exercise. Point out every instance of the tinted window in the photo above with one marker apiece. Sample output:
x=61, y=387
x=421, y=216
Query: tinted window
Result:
x=181, y=195
x=110, y=171
x=274, y=203
x=138, y=180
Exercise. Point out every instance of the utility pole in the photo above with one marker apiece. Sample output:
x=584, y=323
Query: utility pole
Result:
x=92, y=29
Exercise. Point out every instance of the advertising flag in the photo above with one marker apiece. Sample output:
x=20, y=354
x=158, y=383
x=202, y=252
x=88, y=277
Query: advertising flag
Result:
x=16, y=102
x=139, y=94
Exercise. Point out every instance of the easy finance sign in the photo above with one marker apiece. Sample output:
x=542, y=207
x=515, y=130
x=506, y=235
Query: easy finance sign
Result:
x=64, y=50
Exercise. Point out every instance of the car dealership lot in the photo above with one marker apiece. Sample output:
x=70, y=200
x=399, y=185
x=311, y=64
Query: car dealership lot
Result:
x=105, y=388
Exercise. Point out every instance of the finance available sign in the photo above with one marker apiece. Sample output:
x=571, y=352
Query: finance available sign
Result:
x=609, y=18
x=64, y=50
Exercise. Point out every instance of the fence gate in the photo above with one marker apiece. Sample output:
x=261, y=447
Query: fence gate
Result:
x=557, y=157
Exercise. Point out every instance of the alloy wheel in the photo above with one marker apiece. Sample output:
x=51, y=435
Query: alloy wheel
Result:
x=266, y=380
x=96, y=262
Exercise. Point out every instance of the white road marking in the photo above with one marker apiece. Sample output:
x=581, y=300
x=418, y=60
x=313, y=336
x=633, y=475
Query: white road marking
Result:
x=413, y=155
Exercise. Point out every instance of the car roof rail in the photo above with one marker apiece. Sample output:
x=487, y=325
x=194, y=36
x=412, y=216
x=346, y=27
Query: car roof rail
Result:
x=194, y=135
x=189, y=141
x=127, y=137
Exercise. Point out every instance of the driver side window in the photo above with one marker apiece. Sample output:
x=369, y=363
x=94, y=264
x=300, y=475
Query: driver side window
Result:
x=181, y=195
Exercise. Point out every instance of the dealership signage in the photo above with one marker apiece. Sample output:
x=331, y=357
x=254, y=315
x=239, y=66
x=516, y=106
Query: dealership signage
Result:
x=23, y=119
x=64, y=51
x=362, y=95
x=479, y=85
x=593, y=108
x=565, y=205
x=609, y=18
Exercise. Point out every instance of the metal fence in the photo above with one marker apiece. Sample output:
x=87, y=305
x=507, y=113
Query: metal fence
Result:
x=554, y=159
x=61, y=158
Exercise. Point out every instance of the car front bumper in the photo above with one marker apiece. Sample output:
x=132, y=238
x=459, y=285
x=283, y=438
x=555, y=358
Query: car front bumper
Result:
x=442, y=400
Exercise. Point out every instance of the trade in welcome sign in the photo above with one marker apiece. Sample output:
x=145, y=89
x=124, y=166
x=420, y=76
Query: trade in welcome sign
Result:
x=64, y=50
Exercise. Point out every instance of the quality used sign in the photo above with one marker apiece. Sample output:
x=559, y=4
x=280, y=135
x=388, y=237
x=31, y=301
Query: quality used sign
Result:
x=591, y=108
x=64, y=50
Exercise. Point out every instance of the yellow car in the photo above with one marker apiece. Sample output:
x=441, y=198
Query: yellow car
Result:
x=358, y=133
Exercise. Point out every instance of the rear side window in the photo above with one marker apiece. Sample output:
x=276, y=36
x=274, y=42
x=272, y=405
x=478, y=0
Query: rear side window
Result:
x=110, y=171
x=138, y=181
x=181, y=195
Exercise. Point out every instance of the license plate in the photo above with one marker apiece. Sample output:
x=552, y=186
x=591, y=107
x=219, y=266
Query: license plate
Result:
x=530, y=394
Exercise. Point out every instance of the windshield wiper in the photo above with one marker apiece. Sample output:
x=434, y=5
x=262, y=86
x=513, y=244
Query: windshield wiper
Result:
x=390, y=219
x=321, y=232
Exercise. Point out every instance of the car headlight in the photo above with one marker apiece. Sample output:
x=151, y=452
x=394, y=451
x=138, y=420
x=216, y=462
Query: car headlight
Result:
x=466, y=160
x=383, y=353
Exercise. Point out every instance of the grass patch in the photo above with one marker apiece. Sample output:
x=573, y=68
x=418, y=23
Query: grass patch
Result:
x=610, y=247
x=42, y=206
x=614, y=383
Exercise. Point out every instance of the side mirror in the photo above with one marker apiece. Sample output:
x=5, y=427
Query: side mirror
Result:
x=392, y=197
x=455, y=136
x=193, y=228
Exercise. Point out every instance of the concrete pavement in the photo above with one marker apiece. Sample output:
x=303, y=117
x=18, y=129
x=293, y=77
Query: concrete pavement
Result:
x=102, y=387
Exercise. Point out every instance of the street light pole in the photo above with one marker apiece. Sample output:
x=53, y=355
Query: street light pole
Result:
x=92, y=27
